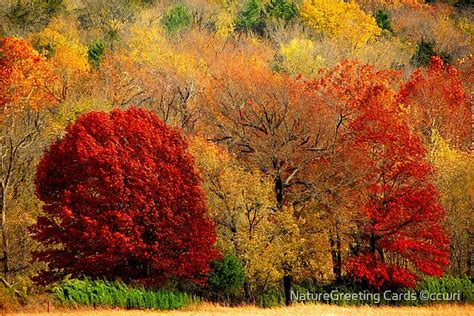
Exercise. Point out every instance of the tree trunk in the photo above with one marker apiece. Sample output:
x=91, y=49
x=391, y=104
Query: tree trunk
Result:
x=335, y=244
x=278, y=190
x=287, y=285
x=247, y=293
x=6, y=268
x=287, y=278
x=372, y=243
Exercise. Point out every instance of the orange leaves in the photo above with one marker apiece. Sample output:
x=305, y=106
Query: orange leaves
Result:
x=25, y=77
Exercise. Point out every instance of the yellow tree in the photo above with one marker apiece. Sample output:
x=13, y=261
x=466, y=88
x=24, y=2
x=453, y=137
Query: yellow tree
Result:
x=341, y=20
x=68, y=57
x=299, y=57
x=454, y=171
x=242, y=203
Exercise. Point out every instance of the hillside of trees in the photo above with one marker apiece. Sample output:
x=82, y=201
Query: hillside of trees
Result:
x=235, y=150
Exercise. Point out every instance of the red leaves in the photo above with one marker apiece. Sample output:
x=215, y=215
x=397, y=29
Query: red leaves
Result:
x=122, y=199
x=399, y=220
x=435, y=100
x=379, y=274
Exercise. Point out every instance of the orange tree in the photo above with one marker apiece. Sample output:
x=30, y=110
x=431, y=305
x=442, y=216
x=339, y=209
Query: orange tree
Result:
x=24, y=91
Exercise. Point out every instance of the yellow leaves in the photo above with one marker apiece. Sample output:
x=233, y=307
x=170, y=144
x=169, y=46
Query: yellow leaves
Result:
x=147, y=44
x=225, y=24
x=299, y=57
x=234, y=193
x=339, y=19
x=241, y=202
x=449, y=161
x=455, y=174
x=454, y=178
x=322, y=16
x=466, y=26
x=68, y=53
x=150, y=46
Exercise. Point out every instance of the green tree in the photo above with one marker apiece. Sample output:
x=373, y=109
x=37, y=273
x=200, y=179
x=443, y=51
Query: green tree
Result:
x=252, y=17
x=282, y=9
x=177, y=19
x=227, y=277
x=383, y=20
x=95, y=53
x=424, y=51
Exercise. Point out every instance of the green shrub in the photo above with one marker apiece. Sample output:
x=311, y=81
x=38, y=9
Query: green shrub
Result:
x=383, y=20
x=227, y=277
x=271, y=298
x=424, y=51
x=252, y=17
x=88, y=292
x=448, y=285
x=282, y=9
x=177, y=19
x=95, y=53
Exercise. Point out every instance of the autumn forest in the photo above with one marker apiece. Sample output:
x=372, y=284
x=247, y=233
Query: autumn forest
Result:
x=159, y=154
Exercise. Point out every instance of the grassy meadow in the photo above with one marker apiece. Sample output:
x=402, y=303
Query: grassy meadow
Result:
x=300, y=309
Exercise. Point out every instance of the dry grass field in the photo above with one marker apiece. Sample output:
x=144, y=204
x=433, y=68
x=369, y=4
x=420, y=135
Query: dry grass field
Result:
x=320, y=310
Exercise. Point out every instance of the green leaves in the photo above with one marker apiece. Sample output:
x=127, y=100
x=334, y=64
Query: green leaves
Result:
x=282, y=9
x=228, y=275
x=383, y=20
x=448, y=285
x=95, y=53
x=177, y=19
x=424, y=51
x=251, y=17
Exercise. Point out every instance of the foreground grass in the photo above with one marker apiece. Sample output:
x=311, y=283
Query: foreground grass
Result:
x=206, y=309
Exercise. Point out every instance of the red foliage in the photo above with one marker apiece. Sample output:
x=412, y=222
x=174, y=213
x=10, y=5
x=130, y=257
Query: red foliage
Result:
x=122, y=199
x=435, y=100
x=401, y=220
x=376, y=273
x=398, y=231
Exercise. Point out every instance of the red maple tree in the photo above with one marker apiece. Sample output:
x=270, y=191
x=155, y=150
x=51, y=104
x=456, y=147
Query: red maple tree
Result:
x=399, y=231
x=122, y=199
x=395, y=231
